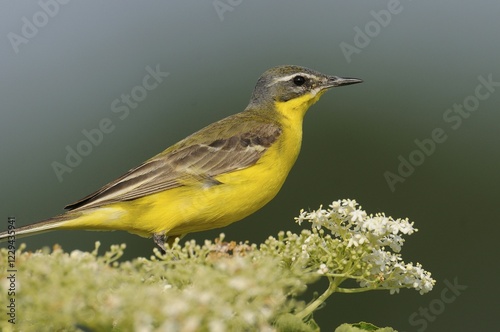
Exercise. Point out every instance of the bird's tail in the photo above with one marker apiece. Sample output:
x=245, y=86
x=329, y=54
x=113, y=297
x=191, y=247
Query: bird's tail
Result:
x=57, y=222
x=95, y=219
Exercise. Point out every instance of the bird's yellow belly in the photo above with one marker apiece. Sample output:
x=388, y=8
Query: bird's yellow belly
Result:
x=193, y=208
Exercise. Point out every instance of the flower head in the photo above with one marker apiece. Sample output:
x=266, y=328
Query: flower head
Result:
x=365, y=247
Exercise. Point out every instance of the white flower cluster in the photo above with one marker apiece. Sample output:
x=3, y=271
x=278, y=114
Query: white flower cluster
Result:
x=362, y=243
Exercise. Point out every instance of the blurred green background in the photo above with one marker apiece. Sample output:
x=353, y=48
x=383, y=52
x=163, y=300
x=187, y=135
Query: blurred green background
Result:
x=61, y=75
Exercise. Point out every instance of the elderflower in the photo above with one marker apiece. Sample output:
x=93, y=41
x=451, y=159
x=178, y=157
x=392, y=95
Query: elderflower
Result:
x=365, y=247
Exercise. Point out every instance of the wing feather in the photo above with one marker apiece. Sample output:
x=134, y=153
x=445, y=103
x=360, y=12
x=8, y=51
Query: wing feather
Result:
x=215, y=150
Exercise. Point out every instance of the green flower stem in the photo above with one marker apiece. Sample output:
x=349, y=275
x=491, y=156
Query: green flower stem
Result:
x=360, y=290
x=332, y=287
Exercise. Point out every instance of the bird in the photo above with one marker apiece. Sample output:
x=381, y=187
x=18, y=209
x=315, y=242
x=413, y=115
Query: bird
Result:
x=212, y=178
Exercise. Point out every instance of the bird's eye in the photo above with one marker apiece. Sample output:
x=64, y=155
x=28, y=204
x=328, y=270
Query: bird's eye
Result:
x=299, y=80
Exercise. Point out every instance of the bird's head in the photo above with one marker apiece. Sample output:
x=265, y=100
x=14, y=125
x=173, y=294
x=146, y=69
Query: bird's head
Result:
x=294, y=88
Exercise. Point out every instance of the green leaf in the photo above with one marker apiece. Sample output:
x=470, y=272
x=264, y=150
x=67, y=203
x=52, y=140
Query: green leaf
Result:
x=361, y=327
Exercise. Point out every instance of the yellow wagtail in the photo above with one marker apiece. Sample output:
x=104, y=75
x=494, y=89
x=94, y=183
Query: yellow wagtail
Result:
x=218, y=175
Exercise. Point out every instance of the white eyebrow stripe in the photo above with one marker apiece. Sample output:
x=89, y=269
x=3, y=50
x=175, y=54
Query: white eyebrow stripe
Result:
x=287, y=78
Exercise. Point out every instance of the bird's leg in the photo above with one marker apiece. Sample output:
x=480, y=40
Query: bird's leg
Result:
x=159, y=239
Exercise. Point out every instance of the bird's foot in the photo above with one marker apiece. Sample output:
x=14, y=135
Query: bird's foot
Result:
x=159, y=239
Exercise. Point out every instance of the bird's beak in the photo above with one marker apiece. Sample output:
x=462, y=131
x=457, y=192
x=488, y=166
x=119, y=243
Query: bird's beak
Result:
x=334, y=81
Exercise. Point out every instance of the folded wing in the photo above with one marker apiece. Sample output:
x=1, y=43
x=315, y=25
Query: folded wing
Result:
x=195, y=160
